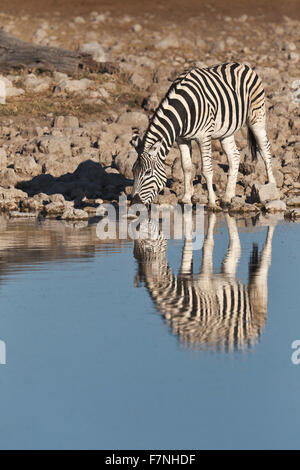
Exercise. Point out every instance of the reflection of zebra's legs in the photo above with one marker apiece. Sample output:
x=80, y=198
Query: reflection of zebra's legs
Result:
x=186, y=266
x=208, y=247
x=260, y=275
x=187, y=252
x=258, y=282
x=233, y=254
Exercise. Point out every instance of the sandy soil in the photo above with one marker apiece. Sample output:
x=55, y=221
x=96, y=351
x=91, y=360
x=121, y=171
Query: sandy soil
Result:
x=174, y=10
x=65, y=141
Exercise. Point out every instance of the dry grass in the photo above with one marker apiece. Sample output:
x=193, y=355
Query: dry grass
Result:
x=42, y=104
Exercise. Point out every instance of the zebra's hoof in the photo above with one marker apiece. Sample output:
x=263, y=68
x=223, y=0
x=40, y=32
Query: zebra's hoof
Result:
x=213, y=208
x=225, y=204
x=185, y=201
x=195, y=200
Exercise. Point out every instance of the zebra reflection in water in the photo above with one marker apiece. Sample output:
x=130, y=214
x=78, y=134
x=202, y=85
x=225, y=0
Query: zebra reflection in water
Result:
x=207, y=310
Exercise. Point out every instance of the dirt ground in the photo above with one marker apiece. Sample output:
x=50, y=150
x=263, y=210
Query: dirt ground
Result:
x=65, y=140
x=174, y=10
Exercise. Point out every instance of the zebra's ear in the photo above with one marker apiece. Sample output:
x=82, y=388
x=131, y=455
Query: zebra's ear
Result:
x=153, y=151
x=136, y=143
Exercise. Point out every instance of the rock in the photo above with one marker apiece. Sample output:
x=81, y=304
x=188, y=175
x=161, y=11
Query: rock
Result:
x=124, y=163
x=3, y=158
x=30, y=204
x=8, y=177
x=74, y=214
x=59, y=76
x=168, y=42
x=167, y=198
x=54, y=209
x=264, y=193
x=275, y=206
x=137, y=28
x=10, y=90
x=40, y=34
x=101, y=18
x=218, y=46
x=22, y=214
x=37, y=85
x=66, y=121
x=57, y=198
x=96, y=51
x=79, y=20
x=293, y=57
x=151, y=102
x=102, y=92
x=177, y=173
x=10, y=198
x=134, y=119
x=237, y=202
x=42, y=197
x=293, y=201
x=26, y=166
x=138, y=80
x=200, y=199
x=12, y=193
x=52, y=144
x=73, y=86
x=8, y=205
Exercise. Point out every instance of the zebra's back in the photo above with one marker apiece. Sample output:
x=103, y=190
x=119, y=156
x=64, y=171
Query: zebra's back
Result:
x=214, y=100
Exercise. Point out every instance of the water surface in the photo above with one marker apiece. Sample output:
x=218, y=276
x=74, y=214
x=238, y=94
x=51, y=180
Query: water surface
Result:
x=94, y=360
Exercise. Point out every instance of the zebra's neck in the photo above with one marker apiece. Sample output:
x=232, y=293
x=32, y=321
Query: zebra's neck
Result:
x=165, y=127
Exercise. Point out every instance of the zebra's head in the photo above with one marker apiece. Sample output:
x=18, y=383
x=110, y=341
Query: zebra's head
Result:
x=148, y=171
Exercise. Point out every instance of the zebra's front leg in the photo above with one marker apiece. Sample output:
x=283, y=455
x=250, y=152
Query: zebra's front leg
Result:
x=233, y=157
x=205, y=150
x=187, y=167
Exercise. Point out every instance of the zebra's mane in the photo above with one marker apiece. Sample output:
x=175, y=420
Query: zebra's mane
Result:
x=146, y=145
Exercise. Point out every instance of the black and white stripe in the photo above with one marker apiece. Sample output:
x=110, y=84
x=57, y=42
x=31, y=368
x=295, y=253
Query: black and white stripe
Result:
x=208, y=310
x=203, y=104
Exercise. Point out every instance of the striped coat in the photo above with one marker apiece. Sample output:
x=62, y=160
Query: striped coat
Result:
x=208, y=310
x=202, y=104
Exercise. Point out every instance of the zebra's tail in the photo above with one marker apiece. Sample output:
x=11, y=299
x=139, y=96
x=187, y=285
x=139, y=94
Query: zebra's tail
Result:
x=254, y=261
x=252, y=144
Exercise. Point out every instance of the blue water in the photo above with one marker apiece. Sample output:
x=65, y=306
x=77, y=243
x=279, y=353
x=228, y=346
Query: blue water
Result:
x=90, y=363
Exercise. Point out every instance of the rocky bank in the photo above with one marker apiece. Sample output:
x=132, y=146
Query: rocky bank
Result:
x=66, y=164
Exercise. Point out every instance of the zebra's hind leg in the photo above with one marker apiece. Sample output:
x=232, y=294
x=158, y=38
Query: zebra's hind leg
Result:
x=233, y=157
x=258, y=282
x=187, y=167
x=259, y=131
x=233, y=254
x=205, y=150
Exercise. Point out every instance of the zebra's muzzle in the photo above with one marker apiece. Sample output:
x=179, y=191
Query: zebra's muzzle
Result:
x=136, y=200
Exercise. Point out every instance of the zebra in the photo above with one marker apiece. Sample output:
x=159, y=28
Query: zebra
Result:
x=208, y=310
x=202, y=104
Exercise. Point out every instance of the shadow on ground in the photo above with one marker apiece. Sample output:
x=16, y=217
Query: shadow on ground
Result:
x=90, y=180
